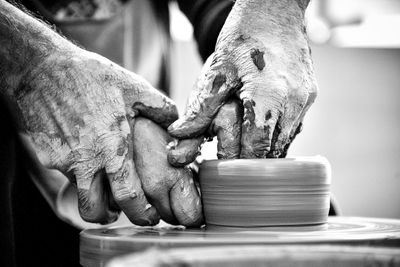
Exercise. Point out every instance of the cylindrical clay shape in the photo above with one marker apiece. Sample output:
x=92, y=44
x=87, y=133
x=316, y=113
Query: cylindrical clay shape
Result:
x=161, y=182
x=265, y=192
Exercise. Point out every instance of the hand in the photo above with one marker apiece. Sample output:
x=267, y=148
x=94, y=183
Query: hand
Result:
x=171, y=190
x=77, y=108
x=262, y=57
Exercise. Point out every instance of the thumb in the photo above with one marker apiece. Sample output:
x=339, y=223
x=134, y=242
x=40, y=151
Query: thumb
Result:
x=226, y=126
x=151, y=103
x=185, y=151
x=216, y=83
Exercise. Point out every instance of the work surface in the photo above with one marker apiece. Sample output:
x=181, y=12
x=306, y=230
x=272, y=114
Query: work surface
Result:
x=99, y=245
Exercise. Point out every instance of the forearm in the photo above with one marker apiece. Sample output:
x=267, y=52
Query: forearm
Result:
x=271, y=6
x=24, y=43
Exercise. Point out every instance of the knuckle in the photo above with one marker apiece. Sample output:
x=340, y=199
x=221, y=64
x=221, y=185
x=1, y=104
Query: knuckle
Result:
x=124, y=193
x=112, y=148
x=119, y=172
x=52, y=152
x=85, y=165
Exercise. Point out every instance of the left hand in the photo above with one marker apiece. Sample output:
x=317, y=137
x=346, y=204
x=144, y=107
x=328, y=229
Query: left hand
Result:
x=262, y=57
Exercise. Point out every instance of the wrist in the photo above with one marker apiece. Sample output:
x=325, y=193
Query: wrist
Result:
x=277, y=17
x=273, y=7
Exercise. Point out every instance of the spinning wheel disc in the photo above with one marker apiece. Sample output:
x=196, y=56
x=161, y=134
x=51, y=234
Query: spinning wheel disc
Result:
x=99, y=245
x=263, y=256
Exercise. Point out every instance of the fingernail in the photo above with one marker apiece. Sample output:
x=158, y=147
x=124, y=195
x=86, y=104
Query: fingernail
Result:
x=172, y=145
x=148, y=206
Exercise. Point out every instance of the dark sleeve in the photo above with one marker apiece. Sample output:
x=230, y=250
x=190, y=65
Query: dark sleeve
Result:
x=207, y=18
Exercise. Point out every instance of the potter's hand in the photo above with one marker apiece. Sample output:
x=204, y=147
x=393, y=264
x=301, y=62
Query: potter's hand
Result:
x=262, y=57
x=77, y=107
x=171, y=190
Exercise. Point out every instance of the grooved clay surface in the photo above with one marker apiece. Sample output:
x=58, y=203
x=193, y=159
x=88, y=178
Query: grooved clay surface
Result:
x=265, y=192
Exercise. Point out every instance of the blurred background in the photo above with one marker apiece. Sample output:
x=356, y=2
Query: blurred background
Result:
x=355, y=121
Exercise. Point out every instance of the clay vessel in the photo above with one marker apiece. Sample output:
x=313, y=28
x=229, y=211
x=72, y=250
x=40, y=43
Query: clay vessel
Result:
x=266, y=192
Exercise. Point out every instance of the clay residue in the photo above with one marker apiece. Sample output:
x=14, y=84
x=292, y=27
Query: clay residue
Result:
x=123, y=145
x=268, y=115
x=227, y=126
x=185, y=151
x=255, y=140
x=258, y=58
x=158, y=114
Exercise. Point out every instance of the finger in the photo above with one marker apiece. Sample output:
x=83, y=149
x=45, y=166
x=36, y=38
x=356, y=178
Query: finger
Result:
x=150, y=102
x=161, y=203
x=292, y=137
x=94, y=201
x=259, y=121
x=159, y=178
x=216, y=83
x=128, y=194
x=125, y=184
x=291, y=122
x=184, y=151
x=227, y=127
x=298, y=125
x=284, y=127
x=186, y=203
x=150, y=155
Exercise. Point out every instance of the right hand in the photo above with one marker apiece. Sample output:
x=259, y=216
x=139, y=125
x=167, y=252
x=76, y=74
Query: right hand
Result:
x=77, y=108
x=263, y=60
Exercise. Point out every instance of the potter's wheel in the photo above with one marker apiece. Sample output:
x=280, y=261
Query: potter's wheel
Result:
x=99, y=245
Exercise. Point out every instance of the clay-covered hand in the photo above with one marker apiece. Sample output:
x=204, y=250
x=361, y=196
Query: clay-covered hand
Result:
x=77, y=108
x=171, y=190
x=263, y=58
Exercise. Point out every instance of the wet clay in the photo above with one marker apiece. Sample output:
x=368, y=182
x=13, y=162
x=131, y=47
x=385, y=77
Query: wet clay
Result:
x=258, y=58
x=184, y=151
x=265, y=192
x=227, y=127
